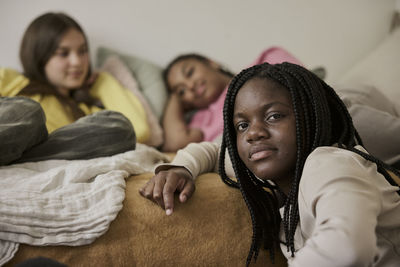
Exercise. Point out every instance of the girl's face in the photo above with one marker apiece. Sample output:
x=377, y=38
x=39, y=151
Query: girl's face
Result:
x=68, y=67
x=265, y=127
x=197, y=83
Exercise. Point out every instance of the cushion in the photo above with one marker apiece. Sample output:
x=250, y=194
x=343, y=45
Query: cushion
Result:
x=212, y=229
x=117, y=68
x=148, y=75
x=380, y=68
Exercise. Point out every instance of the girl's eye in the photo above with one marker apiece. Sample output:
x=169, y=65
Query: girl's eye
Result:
x=62, y=53
x=241, y=126
x=274, y=117
x=190, y=72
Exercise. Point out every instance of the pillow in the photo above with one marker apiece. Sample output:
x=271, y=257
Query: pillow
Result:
x=380, y=68
x=114, y=65
x=212, y=229
x=148, y=75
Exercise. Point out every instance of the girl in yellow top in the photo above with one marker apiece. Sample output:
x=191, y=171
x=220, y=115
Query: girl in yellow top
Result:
x=57, y=74
x=62, y=90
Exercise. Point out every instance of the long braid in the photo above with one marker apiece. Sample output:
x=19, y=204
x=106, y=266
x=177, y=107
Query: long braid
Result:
x=221, y=168
x=290, y=204
x=321, y=119
x=305, y=128
x=265, y=224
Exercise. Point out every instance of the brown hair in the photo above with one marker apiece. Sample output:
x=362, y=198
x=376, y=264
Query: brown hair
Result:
x=39, y=43
x=195, y=56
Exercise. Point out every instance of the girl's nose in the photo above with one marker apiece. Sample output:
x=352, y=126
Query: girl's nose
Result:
x=189, y=92
x=191, y=85
x=75, y=58
x=257, y=130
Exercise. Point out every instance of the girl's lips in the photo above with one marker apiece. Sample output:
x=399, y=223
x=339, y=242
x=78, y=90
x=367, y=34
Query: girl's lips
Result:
x=260, y=155
x=200, y=90
x=258, y=152
x=76, y=74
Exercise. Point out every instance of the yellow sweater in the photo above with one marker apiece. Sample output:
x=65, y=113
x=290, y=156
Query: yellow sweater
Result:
x=106, y=88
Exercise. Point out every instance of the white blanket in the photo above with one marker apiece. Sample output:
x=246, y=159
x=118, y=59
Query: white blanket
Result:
x=62, y=202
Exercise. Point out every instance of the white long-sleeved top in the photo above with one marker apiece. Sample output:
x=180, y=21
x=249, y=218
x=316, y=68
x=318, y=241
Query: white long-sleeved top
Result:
x=349, y=213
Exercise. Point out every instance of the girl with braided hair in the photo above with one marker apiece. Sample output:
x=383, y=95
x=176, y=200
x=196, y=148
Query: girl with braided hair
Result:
x=310, y=186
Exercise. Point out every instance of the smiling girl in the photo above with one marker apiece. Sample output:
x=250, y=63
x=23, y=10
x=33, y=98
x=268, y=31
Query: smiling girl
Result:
x=57, y=109
x=54, y=54
x=198, y=87
x=310, y=186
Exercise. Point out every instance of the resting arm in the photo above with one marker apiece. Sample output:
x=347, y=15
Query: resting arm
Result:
x=177, y=134
x=178, y=176
x=197, y=158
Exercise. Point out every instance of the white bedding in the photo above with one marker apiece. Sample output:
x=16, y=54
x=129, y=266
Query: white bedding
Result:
x=61, y=202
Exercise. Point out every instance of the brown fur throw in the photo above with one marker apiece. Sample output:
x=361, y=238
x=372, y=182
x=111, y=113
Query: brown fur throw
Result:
x=212, y=229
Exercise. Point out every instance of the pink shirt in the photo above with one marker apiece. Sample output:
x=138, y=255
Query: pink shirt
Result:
x=210, y=119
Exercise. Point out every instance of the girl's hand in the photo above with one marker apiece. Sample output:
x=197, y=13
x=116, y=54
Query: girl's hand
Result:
x=162, y=187
x=177, y=133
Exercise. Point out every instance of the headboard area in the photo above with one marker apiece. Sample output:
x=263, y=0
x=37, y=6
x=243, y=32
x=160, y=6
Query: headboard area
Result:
x=333, y=34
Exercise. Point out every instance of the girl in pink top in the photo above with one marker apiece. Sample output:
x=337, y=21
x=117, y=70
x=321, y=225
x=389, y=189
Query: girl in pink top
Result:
x=198, y=83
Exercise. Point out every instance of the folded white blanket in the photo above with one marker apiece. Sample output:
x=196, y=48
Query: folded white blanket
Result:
x=62, y=202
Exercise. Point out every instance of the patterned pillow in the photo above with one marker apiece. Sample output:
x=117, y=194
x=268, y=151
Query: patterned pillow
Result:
x=117, y=68
x=148, y=75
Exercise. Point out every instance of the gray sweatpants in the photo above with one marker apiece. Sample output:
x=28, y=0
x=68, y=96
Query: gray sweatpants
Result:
x=24, y=137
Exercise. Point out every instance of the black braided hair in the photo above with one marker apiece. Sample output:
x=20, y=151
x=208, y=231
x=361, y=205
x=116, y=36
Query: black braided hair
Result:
x=195, y=56
x=321, y=119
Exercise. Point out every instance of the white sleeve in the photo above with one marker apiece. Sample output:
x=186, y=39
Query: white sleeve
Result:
x=338, y=192
x=197, y=158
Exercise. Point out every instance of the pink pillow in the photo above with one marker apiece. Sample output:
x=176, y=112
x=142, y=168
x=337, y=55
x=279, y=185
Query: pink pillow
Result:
x=274, y=55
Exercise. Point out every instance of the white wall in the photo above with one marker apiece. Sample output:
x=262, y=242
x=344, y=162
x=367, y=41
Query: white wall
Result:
x=333, y=33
